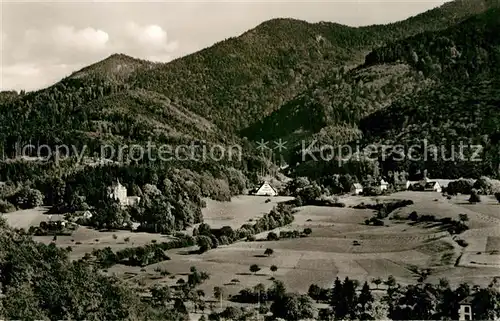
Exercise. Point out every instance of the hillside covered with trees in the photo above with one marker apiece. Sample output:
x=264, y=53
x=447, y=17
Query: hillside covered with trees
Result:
x=434, y=77
x=437, y=87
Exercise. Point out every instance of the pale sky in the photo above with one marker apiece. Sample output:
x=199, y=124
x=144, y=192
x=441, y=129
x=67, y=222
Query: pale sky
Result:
x=42, y=42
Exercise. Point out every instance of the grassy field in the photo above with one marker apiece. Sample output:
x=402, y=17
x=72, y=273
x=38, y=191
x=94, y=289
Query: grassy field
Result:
x=239, y=211
x=394, y=249
x=27, y=218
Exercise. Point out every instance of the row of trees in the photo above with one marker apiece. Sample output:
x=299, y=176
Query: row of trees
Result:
x=141, y=255
x=208, y=238
x=350, y=300
x=421, y=301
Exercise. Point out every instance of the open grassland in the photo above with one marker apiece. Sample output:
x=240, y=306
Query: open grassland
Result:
x=394, y=249
x=340, y=245
x=239, y=211
x=27, y=218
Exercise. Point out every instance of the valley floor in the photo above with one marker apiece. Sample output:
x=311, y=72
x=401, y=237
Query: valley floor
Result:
x=394, y=249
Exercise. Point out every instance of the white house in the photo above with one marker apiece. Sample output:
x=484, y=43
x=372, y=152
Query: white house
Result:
x=84, y=214
x=133, y=200
x=443, y=182
x=383, y=185
x=357, y=188
x=433, y=186
x=465, y=310
x=119, y=193
x=266, y=190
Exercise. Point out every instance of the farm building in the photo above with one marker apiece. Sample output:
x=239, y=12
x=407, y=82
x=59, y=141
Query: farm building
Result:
x=383, y=185
x=401, y=185
x=83, y=214
x=432, y=186
x=357, y=188
x=78, y=215
x=133, y=200
x=266, y=190
x=443, y=182
x=465, y=310
x=410, y=184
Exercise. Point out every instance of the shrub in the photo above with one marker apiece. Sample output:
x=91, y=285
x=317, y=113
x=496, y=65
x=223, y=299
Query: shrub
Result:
x=204, y=242
x=268, y=252
x=427, y=218
x=254, y=268
x=446, y=220
x=371, y=191
x=487, y=186
x=413, y=216
x=271, y=236
x=474, y=197
x=28, y=198
x=497, y=196
x=462, y=186
x=6, y=207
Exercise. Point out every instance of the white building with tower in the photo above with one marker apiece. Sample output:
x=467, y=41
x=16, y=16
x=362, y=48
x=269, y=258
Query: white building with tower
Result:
x=119, y=193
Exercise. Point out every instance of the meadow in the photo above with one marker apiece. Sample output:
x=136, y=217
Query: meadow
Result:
x=340, y=245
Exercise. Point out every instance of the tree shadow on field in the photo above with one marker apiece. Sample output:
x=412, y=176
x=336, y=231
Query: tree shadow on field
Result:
x=189, y=252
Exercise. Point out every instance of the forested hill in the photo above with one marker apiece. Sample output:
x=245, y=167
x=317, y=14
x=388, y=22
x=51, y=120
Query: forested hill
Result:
x=444, y=88
x=117, y=68
x=241, y=80
x=462, y=107
x=284, y=78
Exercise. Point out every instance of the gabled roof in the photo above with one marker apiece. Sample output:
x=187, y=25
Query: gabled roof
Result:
x=357, y=186
x=443, y=182
x=116, y=183
x=467, y=300
x=431, y=184
x=264, y=183
x=383, y=182
x=81, y=212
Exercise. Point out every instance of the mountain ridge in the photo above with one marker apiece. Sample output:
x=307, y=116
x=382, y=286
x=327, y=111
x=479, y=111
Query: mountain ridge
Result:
x=237, y=85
